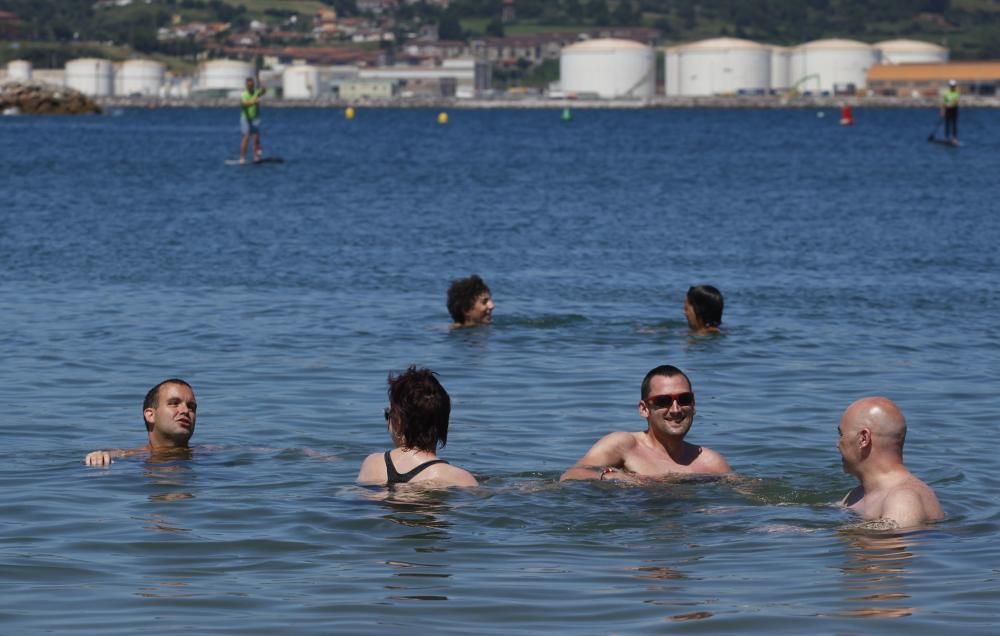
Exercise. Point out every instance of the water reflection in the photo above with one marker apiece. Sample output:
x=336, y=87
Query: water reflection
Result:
x=422, y=514
x=172, y=479
x=876, y=574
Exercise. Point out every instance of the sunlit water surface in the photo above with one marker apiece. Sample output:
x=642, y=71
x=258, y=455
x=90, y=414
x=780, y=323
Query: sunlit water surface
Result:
x=853, y=261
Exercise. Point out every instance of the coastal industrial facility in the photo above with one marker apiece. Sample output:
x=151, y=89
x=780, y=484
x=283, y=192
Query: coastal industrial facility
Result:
x=597, y=68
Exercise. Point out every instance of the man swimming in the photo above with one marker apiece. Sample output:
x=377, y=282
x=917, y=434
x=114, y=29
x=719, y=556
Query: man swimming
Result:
x=169, y=412
x=668, y=405
x=470, y=302
x=872, y=432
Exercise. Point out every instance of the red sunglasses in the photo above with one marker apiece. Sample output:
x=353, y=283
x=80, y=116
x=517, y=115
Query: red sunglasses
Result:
x=666, y=400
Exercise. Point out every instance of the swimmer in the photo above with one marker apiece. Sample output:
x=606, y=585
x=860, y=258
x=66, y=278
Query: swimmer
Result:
x=417, y=419
x=668, y=405
x=703, y=309
x=872, y=432
x=169, y=413
x=469, y=302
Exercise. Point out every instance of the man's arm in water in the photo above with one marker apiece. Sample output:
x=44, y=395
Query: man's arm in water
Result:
x=608, y=453
x=107, y=457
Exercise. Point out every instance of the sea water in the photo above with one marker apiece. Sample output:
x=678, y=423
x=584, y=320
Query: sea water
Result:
x=854, y=261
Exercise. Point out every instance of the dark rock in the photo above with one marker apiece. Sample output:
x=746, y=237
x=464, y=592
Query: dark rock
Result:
x=42, y=98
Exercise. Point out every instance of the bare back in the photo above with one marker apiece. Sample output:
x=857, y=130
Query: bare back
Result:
x=905, y=503
x=441, y=475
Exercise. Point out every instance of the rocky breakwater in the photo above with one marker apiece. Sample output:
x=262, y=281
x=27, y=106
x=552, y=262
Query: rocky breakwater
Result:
x=39, y=98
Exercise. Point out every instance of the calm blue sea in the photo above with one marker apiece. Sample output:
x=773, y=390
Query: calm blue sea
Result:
x=854, y=261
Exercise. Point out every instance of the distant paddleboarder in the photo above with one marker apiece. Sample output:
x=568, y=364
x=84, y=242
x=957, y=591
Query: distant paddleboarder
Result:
x=949, y=111
x=250, y=119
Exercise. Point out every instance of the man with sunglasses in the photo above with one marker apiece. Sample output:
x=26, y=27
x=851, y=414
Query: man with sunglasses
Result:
x=668, y=406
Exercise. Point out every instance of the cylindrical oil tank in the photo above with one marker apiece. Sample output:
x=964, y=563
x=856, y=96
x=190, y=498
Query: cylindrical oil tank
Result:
x=608, y=68
x=780, y=61
x=19, y=70
x=721, y=66
x=300, y=82
x=831, y=66
x=140, y=77
x=224, y=74
x=911, y=52
x=91, y=76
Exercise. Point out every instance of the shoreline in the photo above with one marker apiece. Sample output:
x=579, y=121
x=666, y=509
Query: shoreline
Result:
x=660, y=102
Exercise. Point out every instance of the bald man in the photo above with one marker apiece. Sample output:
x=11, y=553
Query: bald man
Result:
x=872, y=432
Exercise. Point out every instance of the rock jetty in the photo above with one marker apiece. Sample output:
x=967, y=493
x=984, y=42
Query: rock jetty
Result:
x=39, y=98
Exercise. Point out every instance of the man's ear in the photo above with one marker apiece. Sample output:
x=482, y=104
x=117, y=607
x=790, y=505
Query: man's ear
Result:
x=147, y=414
x=643, y=409
x=865, y=438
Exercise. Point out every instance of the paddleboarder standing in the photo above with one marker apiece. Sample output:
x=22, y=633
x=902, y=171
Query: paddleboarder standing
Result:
x=949, y=111
x=250, y=119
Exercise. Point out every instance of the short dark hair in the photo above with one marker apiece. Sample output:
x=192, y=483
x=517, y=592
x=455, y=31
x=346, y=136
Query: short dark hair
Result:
x=667, y=371
x=419, y=407
x=462, y=294
x=707, y=303
x=153, y=396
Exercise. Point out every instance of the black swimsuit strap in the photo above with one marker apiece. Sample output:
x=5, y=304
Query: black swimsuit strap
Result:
x=395, y=477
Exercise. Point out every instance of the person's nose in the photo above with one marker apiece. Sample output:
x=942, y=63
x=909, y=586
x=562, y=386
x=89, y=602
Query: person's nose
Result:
x=490, y=305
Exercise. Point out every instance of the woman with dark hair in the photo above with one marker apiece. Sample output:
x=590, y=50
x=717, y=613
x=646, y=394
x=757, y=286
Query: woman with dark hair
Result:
x=703, y=309
x=417, y=419
x=470, y=302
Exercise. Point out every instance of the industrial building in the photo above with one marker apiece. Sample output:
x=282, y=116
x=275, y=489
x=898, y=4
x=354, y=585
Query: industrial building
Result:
x=928, y=80
x=831, y=66
x=608, y=68
x=91, y=76
x=719, y=66
x=911, y=52
x=144, y=78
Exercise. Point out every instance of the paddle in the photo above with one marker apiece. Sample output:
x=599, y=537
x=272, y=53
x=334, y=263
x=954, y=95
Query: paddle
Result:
x=930, y=137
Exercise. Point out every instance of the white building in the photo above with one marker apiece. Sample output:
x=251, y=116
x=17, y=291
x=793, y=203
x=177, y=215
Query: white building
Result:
x=911, y=52
x=224, y=75
x=608, y=68
x=140, y=77
x=831, y=66
x=719, y=66
x=91, y=76
x=301, y=81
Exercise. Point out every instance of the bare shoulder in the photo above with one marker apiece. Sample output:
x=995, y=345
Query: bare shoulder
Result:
x=712, y=462
x=447, y=475
x=373, y=470
x=912, y=504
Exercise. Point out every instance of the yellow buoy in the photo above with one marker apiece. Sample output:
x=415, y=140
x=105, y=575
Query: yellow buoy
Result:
x=349, y=113
x=442, y=118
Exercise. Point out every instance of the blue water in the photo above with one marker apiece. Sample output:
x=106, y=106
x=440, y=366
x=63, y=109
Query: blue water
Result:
x=853, y=261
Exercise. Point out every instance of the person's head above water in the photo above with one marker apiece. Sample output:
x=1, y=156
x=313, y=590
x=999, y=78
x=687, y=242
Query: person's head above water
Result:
x=470, y=302
x=703, y=308
x=170, y=412
x=418, y=411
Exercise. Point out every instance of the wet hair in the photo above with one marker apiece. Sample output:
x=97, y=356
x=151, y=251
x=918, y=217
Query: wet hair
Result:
x=667, y=371
x=462, y=294
x=419, y=408
x=707, y=303
x=153, y=397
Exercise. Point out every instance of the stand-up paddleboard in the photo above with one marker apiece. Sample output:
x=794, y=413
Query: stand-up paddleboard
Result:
x=256, y=162
x=954, y=143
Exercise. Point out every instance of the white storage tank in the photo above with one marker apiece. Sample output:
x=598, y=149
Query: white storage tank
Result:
x=719, y=66
x=608, y=68
x=228, y=75
x=300, y=82
x=91, y=76
x=911, y=52
x=140, y=77
x=831, y=66
x=19, y=71
x=781, y=57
